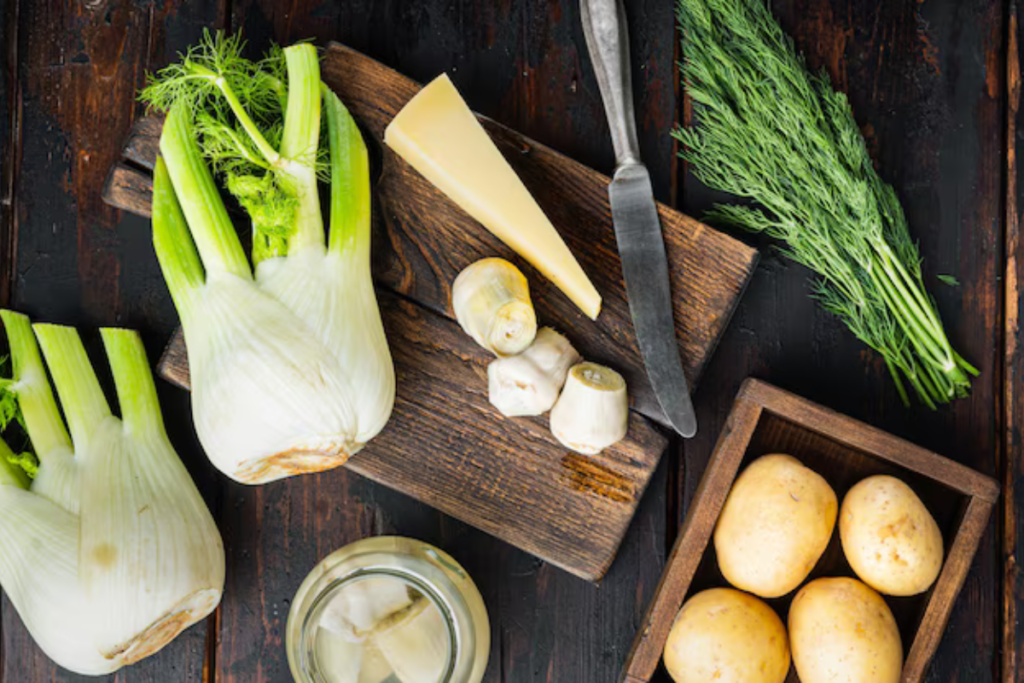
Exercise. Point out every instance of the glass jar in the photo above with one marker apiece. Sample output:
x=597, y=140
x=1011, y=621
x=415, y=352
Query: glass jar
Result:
x=388, y=609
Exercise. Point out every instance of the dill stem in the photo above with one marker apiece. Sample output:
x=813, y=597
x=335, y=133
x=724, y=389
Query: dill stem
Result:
x=923, y=325
x=965, y=365
x=913, y=294
x=922, y=393
x=921, y=341
x=896, y=379
x=930, y=382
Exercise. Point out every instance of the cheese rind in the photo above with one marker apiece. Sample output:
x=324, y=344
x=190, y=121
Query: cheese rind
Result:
x=442, y=139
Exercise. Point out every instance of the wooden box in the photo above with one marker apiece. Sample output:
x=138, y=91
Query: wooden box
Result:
x=764, y=420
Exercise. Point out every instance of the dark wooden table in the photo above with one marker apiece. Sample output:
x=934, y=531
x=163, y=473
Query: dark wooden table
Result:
x=935, y=86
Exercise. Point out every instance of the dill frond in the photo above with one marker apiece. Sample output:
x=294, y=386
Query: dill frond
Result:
x=771, y=131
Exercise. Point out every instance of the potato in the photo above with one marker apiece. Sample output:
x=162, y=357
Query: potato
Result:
x=889, y=537
x=841, y=631
x=726, y=636
x=775, y=524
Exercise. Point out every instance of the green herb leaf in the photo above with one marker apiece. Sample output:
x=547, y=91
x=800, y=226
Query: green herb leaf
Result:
x=769, y=130
x=949, y=280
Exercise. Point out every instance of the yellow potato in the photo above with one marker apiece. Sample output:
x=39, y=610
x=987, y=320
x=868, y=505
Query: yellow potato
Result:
x=726, y=636
x=775, y=524
x=889, y=537
x=841, y=631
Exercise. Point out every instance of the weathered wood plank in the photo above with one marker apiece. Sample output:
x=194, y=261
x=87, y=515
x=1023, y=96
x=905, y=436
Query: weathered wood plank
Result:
x=1012, y=468
x=10, y=145
x=924, y=80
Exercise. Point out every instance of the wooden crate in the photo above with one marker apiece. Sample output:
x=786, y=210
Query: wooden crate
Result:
x=764, y=420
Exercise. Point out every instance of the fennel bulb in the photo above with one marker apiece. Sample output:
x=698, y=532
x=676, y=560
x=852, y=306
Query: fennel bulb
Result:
x=290, y=368
x=109, y=552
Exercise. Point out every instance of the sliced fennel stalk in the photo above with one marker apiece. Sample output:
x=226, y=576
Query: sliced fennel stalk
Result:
x=109, y=552
x=290, y=367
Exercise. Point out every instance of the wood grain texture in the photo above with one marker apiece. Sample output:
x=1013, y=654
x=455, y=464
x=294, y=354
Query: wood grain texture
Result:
x=1011, y=465
x=925, y=84
x=766, y=420
x=446, y=446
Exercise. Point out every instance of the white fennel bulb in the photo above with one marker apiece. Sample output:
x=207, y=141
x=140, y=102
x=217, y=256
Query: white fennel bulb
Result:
x=290, y=368
x=109, y=552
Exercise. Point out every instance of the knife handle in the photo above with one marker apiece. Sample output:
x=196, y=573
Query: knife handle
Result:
x=604, y=27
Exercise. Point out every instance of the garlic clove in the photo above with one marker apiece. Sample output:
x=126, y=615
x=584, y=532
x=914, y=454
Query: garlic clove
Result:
x=491, y=299
x=593, y=411
x=360, y=606
x=415, y=642
x=528, y=384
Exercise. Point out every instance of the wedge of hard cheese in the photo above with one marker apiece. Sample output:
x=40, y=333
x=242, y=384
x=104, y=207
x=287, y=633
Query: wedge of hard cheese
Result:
x=441, y=138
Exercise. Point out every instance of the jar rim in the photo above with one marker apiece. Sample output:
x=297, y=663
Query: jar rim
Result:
x=431, y=571
x=324, y=596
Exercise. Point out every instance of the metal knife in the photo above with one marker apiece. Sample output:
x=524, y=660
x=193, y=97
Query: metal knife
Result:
x=635, y=215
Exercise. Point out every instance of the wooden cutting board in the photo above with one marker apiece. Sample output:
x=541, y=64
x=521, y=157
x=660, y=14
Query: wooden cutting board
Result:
x=445, y=445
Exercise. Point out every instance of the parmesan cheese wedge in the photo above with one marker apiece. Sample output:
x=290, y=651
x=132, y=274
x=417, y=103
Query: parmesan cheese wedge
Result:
x=442, y=139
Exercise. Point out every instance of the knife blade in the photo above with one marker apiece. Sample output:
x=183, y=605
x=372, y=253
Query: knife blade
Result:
x=635, y=216
x=645, y=269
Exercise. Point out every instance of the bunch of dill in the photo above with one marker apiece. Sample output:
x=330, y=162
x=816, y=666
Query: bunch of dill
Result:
x=769, y=130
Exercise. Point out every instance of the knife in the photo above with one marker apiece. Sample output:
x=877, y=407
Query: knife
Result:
x=635, y=215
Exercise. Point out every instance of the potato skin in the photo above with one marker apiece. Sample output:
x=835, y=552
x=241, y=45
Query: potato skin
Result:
x=889, y=537
x=726, y=636
x=841, y=631
x=775, y=524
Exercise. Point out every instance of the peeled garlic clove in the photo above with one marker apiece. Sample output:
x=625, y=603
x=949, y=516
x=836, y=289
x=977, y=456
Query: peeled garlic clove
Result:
x=360, y=606
x=528, y=384
x=593, y=411
x=491, y=299
x=415, y=643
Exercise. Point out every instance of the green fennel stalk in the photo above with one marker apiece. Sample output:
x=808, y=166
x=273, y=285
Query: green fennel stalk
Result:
x=258, y=125
x=769, y=130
